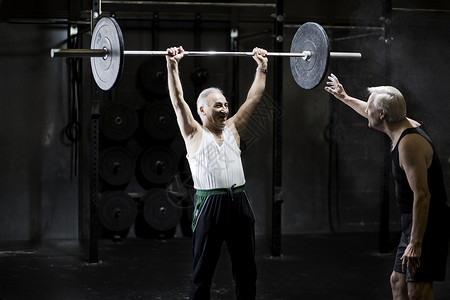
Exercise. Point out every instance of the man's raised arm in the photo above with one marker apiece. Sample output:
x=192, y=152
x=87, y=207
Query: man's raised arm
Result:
x=242, y=117
x=188, y=125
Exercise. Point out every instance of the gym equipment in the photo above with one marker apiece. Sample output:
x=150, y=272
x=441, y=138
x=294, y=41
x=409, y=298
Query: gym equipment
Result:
x=117, y=165
x=159, y=121
x=158, y=164
x=117, y=210
x=309, y=56
x=160, y=209
x=118, y=121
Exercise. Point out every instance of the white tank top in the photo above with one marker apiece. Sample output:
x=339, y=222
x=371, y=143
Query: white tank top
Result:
x=215, y=166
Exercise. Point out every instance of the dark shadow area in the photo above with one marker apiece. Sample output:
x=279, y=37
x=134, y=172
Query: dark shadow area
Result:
x=322, y=266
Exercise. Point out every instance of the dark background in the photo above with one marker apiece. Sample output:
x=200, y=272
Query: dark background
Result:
x=332, y=164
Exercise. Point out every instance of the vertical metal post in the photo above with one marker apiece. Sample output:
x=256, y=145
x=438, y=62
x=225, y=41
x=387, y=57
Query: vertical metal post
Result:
x=333, y=177
x=94, y=199
x=383, y=242
x=277, y=132
x=94, y=147
x=333, y=170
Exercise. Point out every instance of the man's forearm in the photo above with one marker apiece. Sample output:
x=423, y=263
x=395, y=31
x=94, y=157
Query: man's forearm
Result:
x=357, y=105
x=174, y=84
x=420, y=219
x=257, y=89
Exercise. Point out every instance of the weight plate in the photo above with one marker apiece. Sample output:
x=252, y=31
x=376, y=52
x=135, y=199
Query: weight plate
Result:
x=310, y=72
x=160, y=121
x=117, y=210
x=158, y=164
x=160, y=210
x=107, y=70
x=200, y=76
x=118, y=121
x=117, y=165
x=153, y=77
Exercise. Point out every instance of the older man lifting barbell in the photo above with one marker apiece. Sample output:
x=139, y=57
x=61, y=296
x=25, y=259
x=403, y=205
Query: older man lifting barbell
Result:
x=222, y=211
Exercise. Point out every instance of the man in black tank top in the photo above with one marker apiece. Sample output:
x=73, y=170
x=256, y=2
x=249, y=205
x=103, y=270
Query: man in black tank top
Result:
x=419, y=187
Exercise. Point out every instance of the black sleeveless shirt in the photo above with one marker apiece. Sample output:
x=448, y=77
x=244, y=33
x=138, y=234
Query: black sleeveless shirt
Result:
x=404, y=194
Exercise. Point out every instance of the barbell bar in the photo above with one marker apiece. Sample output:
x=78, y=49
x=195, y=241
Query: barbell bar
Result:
x=309, y=55
x=105, y=52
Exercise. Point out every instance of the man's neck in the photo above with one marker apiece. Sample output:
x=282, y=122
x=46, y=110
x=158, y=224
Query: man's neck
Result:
x=395, y=129
x=215, y=130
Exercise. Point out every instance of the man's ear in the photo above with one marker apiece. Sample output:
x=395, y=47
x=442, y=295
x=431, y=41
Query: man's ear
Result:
x=202, y=110
x=382, y=114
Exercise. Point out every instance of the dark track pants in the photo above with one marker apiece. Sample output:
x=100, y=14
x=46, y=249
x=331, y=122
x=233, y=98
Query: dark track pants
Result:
x=223, y=215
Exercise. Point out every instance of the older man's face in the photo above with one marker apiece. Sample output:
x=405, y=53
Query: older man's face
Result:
x=216, y=109
x=373, y=114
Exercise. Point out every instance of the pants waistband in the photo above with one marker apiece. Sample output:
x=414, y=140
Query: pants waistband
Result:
x=221, y=191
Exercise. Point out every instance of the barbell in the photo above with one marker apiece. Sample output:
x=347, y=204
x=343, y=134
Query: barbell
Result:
x=309, y=55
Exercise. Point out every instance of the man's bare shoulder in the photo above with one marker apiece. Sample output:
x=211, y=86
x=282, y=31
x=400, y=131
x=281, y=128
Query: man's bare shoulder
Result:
x=414, y=148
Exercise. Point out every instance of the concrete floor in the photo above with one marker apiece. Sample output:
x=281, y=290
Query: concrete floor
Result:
x=323, y=266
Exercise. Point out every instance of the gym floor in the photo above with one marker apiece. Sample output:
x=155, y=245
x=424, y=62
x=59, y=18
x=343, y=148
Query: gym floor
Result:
x=322, y=266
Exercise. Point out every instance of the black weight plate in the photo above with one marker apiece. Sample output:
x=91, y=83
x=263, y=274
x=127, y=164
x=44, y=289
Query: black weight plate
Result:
x=160, y=209
x=200, y=76
x=160, y=121
x=118, y=121
x=107, y=70
x=153, y=77
x=310, y=37
x=158, y=164
x=117, y=165
x=117, y=210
